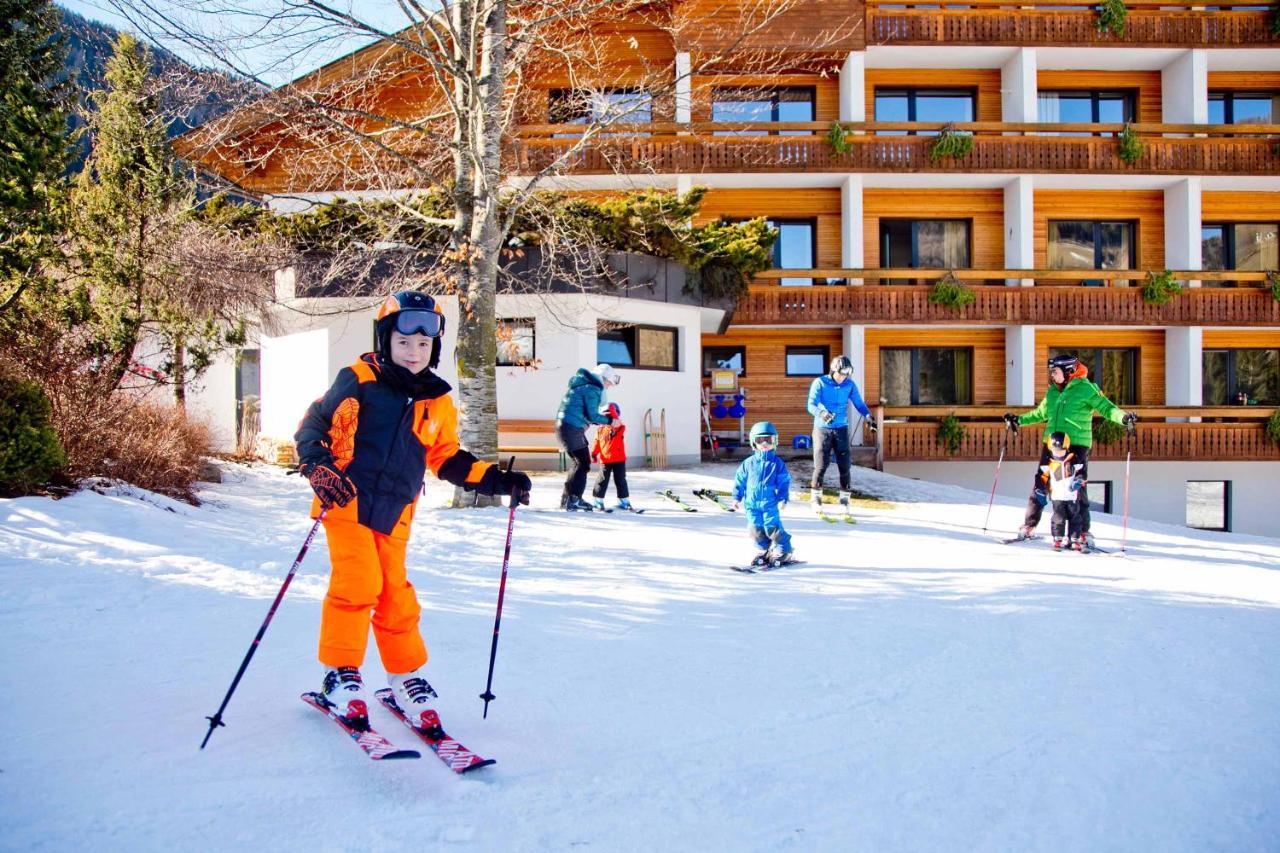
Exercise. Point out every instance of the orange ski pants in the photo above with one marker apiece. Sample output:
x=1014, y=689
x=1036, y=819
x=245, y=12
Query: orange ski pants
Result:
x=368, y=585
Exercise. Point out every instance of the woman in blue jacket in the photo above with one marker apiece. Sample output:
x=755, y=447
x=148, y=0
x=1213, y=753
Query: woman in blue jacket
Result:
x=579, y=407
x=829, y=399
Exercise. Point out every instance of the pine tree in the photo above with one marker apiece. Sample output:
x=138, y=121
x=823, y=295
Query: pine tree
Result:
x=33, y=151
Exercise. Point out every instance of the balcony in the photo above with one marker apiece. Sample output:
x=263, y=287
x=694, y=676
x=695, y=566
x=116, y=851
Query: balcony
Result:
x=1058, y=298
x=1155, y=440
x=1069, y=23
x=1005, y=147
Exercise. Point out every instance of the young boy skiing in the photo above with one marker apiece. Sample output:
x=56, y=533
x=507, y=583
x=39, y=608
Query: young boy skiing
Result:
x=762, y=486
x=1064, y=483
x=610, y=448
x=365, y=447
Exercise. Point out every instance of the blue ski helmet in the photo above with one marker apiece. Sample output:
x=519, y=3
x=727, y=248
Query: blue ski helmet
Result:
x=763, y=428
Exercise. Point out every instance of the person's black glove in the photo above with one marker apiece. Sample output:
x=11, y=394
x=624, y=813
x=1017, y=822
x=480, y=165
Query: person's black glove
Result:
x=330, y=484
x=871, y=426
x=1011, y=422
x=1130, y=422
x=517, y=482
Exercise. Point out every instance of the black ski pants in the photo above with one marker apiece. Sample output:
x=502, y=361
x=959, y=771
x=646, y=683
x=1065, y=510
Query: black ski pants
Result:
x=1040, y=490
x=618, y=470
x=829, y=443
x=1066, y=519
x=574, y=442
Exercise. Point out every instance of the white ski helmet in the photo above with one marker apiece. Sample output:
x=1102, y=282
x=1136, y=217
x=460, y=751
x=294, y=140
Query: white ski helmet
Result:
x=607, y=374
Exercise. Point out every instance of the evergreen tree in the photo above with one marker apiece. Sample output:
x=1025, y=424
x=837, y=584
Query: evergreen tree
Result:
x=33, y=124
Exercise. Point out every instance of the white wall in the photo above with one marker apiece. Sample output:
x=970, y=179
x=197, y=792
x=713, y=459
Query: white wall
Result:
x=1158, y=493
x=212, y=398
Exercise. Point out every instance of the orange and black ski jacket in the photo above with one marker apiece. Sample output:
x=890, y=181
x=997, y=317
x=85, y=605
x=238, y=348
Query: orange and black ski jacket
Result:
x=610, y=444
x=385, y=439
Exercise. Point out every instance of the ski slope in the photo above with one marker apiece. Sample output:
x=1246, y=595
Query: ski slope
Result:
x=913, y=686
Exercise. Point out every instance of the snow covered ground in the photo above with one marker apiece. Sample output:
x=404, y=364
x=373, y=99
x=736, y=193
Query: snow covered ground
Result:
x=914, y=686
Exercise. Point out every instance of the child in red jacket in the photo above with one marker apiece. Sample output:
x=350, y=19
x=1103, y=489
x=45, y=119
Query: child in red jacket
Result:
x=610, y=447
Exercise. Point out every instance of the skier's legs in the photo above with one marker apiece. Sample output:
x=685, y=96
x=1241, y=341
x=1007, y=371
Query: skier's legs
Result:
x=756, y=528
x=620, y=479
x=395, y=618
x=1039, y=494
x=821, y=455
x=1058, y=524
x=355, y=582
x=1083, y=516
x=602, y=482
x=842, y=456
x=574, y=442
x=771, y=521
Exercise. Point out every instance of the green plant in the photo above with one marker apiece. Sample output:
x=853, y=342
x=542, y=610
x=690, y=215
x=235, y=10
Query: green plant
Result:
x=837, y=140
x=950, y=143
x=1130, y=145
x=1107, y=432
x=1111, y=17
x=1275, y=19
x=1273, y=279
x=951, y=434
x=1273, y=427
x=1160, y=288
x=29, y=449
x=951, y=292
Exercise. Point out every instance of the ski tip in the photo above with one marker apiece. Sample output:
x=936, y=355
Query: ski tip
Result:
x=399, y=753
x=487, y=762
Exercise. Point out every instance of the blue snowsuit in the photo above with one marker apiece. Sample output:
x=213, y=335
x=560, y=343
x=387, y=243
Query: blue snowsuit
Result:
x=762, y=482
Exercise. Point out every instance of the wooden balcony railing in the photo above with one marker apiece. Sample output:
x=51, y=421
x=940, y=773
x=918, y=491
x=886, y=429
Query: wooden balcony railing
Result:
x=1012, y=147
x=1058, y=298
x=1069, y=23
x=1155, y=439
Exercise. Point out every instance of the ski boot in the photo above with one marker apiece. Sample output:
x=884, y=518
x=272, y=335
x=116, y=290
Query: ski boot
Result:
x=1057, y=543
x=761, y=559
x=598, y=503
x=578, y=505
x=1026, y=531
x=1078, y=543
x=781, y=558
x=625, y=504
x=844, y=499
x=413, y=695
x=815, y=499
x=343, y=689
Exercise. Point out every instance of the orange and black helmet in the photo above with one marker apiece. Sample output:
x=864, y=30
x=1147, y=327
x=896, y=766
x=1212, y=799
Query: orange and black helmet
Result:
x=409, y=313
x=1058, y=442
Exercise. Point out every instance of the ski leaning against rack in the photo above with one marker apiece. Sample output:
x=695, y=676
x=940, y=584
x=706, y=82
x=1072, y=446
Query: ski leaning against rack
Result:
x=374, y=745
x=672, y=496
x=456, y=757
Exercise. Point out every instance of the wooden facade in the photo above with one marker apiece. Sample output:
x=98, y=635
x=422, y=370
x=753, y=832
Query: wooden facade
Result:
x=1145, y=208
x=983, y=209
x=987, y=364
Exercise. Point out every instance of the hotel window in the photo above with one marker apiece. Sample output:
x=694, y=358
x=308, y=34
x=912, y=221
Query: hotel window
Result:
x=796, y=247
x=1209, y=504
x=607, y=106
x=1114, y=370
x=931, y=105
x=925, y=243
x=1100, y=495
x=807, y=361
x=1244, y=108
x=1092, y=246
x=516, y=342
x=926, y=376
x=1240, y=377
x=1085, y=107
x=1239, y=246
x=634, y=345
x=763, y=105
x=724, y=358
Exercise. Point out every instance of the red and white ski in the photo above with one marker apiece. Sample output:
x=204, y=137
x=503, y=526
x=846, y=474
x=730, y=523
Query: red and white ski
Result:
x=456, y=757
x=374, y=745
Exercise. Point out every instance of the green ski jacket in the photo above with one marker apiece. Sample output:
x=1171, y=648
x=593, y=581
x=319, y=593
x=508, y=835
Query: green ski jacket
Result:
x=1070, y=410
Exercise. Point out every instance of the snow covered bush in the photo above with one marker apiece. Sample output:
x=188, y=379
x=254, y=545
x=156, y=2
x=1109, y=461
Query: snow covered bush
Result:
x=29, y=449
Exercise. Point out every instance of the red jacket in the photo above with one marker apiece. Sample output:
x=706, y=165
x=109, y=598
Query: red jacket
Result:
x=610, y=445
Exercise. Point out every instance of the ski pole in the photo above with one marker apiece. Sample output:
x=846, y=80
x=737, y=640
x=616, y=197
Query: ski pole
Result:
x=996, y=481
x=216, y=719
x=1124, y=539
x=487, y=695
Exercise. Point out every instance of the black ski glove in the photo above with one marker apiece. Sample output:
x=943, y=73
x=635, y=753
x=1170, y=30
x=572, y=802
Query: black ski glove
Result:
x=871, y=426
x=514, y=481
x=1011, y=422
x=329, y=483
x=1130, y=422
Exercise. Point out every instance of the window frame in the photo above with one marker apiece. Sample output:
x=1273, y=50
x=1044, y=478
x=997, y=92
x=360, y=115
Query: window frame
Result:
x=706, y=350
x=912, y=94
x=1228, y=98
x=1232, y=387
x=772, y=95
x=915, y=239
x=633, y=345
x=1135, y=355
x=1226, y=506
x=806, y=349
x=915, y=373
x=1097, y=240
x=1229, y=259
x=532, y=323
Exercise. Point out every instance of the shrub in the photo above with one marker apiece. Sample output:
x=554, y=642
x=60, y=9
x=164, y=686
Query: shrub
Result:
x=1107, y=432
x=951, y=292
x=1111, y=17
x=1130, y=145
x=837, y=140
x=1160, y=288
x=29, y=449
x=1273, y=427
x=950, y=143
x=1273, y=279
x=951, y=434
x=154, y=447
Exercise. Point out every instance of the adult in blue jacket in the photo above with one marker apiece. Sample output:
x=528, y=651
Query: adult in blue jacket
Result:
x=829, y=399
x=581, y=406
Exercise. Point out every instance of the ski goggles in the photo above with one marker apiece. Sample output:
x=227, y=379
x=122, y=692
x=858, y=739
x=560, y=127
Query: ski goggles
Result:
x=765, y=442
x=414, y=321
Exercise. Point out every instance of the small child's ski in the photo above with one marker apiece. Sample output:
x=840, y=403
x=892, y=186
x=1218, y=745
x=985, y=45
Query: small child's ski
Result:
x=714, y=497
x=672, y=496
x=374, y=745
x=767, y=567
x=629, y=509
x=1020, y=538
x=456, y=757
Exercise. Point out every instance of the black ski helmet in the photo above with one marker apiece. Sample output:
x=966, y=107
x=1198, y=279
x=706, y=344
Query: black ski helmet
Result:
x=1067, y=362
x=841, y=364
x=411, y=312
x=1058, y=441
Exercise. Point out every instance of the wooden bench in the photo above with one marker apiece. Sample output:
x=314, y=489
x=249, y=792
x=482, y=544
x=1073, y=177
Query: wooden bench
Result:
x=517, y=426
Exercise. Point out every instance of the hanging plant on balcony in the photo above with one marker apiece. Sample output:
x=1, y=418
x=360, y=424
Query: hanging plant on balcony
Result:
x=951, y=434
x=1160, y=288
x=1275, y=19
x=950, y=143
x=951, y=292
x=1111, y=17
x=1273, y=279
x=1130, y=145
x=837, y=140
x=1107, y=432
x=1273, y=427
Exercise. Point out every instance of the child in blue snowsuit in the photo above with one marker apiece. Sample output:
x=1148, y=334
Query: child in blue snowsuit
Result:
x=761, y=486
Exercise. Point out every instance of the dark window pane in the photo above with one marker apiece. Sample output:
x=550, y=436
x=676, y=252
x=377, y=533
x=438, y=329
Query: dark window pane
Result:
x=1116, y=249
x=1258, y=376
x=895, y=376
x=724, y=358
x=896, y=246
x=1213, y=383
x=1213, y=248
x=1071, y=246
x=942, y=244
x=943, y=377
x=1256, y=247
x=1117, y=378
